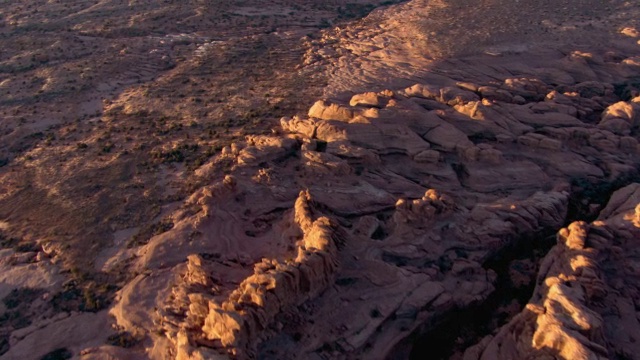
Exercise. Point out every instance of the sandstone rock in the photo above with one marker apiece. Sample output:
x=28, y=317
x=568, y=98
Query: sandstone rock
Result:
x=495, y=94
x=296, y=125
x=326, y=111
x=427, y=156
x=423, y=90
x=366, y=99
x=589, y=89
x=541, y=141
x=632, y=61
x=370, y=113
x=321, y=240
x=631, y=32
x=446, y=95
x=562, y=317
x=554, y=119
x=422, y=210
x=559, y=98
x=629, y=143
x=237, y=321
x=309, y=145
x=620, y=118
x=86, y=329
x=547, y=107
x=528, y=88
x=454, y=96
x=344, y=149
x=492, y=120
x=364, y=259
x=264, y=148
x=324, y=163
x=447, y=137
x=383, y=137
x=485, y=177
x=489, y=154
x=467, y=86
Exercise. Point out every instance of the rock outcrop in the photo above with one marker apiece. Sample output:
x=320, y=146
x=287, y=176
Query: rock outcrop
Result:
x=408, y=212
x=233, y=324
x=421, y=189
x=620, y=118
x=584, y=303
x=378, y=216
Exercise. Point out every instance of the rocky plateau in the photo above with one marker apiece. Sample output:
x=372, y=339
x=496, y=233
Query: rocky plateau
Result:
x=280, y=179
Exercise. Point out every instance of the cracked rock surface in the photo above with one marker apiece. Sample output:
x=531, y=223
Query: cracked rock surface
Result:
x=424, y=184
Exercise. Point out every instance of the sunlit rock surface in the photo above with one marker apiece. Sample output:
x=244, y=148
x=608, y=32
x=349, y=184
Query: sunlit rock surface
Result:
x=385, y=176
x=583, y=306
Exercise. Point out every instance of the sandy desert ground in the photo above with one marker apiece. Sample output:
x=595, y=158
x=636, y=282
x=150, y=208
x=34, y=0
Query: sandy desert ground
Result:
x=286, y=179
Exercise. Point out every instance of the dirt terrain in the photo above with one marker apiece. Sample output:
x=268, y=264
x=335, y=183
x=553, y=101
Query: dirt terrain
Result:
x=319, y=180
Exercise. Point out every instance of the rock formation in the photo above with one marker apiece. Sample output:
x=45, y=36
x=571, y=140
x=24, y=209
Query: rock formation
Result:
x=419, y=189
x=585, y=296
x=427, y=185
x=235, y=323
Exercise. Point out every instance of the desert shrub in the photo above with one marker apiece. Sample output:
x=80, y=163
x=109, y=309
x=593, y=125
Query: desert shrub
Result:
x=8, y=242
x=58, y=354
x=88, y=297
x=17, y=315
x=107, y=148
x=4, y=343
x=143, y=236
x=20, y=296
x=26, y=247
x=626, y=90
x=354, y=11
x=123, y=339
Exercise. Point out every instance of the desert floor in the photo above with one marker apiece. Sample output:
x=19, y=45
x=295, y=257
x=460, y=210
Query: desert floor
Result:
x=319, y=180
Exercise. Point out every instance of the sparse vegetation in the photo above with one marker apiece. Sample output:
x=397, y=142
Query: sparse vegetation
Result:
x=143, y=236
x=18, y=313
x=58, y=354
x=123, y=339
x=83, y=295
x=105, y=120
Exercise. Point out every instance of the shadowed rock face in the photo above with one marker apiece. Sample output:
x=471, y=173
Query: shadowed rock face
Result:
x=583, y=306
x=423, y=186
